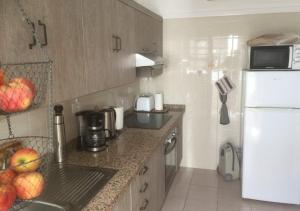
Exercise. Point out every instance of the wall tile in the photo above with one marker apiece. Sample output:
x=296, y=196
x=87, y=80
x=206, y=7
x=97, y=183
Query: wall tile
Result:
x=198, y=52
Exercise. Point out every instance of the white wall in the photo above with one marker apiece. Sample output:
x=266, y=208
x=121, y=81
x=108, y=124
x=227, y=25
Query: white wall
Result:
x=198, y=51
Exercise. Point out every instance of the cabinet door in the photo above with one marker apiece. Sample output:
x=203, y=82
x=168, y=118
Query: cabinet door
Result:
x=16, y=34
x=97, y=43
x=157, y=179
x=123, y=62
x=65, y=48
x=149, y=34
x=124, y=202
x=141, y=188
x=158, y=36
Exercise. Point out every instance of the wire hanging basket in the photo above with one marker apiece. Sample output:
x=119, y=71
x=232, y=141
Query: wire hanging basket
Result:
x=33, y=172
x=23, y=87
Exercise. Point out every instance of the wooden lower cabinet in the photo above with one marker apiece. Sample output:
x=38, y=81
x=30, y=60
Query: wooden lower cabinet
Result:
x=147, y=190
x=124, y=202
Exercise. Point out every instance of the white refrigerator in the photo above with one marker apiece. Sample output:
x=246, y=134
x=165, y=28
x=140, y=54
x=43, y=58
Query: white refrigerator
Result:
x=271, y=136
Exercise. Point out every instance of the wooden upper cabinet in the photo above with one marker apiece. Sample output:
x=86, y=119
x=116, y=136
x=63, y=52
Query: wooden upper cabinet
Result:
x=149, y=34
x=123, y=60
x=65, y=47
x=16, y=34
x=109, y=44
x=97, y=33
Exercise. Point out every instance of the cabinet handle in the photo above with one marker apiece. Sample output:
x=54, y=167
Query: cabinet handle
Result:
x=145, y=205
x=144, y=188
x=144, y=170
x=31, y=45
x=119, y=40
x=45, y=33
x=115, y=43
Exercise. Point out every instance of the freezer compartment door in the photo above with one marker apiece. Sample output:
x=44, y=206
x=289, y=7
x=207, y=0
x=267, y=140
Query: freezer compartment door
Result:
x=271, y=169
x=272, y=89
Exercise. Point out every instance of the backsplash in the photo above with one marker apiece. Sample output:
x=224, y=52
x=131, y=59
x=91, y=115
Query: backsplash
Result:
x=35, y=123
x=199, y=51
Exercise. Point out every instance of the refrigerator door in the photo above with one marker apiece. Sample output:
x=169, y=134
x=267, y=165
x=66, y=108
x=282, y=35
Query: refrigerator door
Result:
x=271, y=168
x=272, y=89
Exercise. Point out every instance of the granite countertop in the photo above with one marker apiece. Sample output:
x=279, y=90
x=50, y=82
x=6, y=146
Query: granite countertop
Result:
x=127, y=153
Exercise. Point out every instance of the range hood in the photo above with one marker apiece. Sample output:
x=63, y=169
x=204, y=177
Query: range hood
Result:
x=148, y=64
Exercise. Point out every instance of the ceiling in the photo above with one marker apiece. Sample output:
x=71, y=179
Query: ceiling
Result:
x=202, y=8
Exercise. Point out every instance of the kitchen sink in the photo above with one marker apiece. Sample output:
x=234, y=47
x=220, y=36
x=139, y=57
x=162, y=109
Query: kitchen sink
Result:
x=70, y=187
x=45, y=206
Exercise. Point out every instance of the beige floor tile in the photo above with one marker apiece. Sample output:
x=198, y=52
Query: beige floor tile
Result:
x=201, y=193
x=178, y=190
x=233, y=208
x=238, y=205
x=267, y=206
x=206, y=178
x=204, y=190
x=174, y=203
x=236, y=184
x=197, y=205
x=291, y=208
x=183, y=176
x=229, y=195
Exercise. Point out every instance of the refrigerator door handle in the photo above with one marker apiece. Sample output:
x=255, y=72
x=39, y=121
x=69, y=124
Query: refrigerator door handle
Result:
x=291, y=57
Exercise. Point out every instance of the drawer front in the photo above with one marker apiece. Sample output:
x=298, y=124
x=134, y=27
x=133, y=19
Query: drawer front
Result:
x=140, y=189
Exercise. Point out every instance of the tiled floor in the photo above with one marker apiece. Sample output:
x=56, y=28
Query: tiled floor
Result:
x=204, y=190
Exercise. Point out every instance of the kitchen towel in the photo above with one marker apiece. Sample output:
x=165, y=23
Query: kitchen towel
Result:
x=224, y=116
x=159, y=102
x=119, y=117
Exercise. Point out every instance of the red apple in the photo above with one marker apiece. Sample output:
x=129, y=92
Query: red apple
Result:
x=7, y=176
x=29, y=185
x=25, y=160
x=24, y=82
x=7, y=197
x=17, y=95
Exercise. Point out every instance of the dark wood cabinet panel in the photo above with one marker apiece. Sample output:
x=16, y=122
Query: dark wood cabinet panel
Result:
x=97, y=33
x=64, y=25
x=149, y=34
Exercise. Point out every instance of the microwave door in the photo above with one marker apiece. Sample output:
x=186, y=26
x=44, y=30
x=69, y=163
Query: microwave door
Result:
x=271, y=57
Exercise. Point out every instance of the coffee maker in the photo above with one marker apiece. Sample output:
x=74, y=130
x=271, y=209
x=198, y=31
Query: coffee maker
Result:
x=91, y=131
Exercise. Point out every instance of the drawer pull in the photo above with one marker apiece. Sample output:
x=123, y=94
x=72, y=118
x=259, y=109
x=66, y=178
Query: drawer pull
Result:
x=144, y=170
x=31, y=45
x=145, y=205
x=45, y=33
x=144, y=188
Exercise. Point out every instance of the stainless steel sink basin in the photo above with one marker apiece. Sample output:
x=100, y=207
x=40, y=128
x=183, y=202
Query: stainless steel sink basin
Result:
x=45, y=206
x=69, y=188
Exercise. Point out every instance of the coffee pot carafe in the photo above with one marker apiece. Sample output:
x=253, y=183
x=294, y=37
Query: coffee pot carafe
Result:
x=109, y=122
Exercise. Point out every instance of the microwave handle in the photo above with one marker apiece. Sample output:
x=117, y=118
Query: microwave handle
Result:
x=291, y=57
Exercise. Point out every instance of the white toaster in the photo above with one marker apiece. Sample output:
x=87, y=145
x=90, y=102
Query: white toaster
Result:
x=144, y=103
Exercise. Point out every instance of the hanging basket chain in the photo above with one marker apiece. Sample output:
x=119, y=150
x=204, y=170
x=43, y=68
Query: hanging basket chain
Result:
x=11, y=135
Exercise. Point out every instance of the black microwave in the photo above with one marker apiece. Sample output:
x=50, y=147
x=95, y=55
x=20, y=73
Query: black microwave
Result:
x=285, y=57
